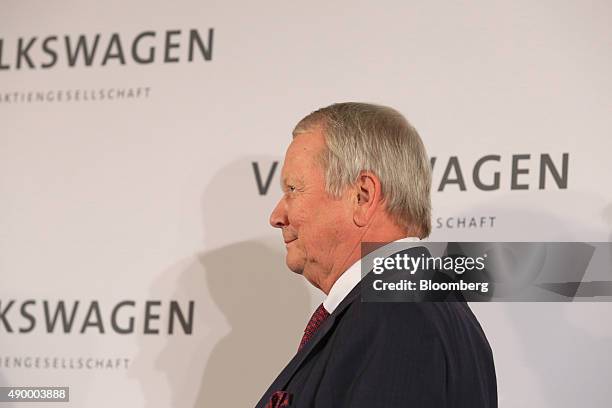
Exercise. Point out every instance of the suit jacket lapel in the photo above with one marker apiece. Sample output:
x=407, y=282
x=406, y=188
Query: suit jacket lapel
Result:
x=285, y=376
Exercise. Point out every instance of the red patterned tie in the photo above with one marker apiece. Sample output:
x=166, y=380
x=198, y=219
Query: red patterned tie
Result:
x=317, y=318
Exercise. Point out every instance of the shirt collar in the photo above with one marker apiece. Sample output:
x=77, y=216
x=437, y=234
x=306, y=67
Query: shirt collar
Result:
x=348, y=280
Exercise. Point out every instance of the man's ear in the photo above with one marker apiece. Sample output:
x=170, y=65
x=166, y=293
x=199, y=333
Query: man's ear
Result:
x=368, y=194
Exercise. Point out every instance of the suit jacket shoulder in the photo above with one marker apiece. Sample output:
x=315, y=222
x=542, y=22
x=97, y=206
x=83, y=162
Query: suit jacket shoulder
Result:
x=394, y=354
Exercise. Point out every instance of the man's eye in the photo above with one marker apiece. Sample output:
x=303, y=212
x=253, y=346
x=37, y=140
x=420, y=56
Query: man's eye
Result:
x=291, y=189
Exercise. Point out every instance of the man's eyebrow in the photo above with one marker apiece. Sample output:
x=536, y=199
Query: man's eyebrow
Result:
x=285, y=181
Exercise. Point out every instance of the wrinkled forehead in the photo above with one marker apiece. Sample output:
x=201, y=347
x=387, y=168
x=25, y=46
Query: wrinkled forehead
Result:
x=305, y=145
x=303, y=154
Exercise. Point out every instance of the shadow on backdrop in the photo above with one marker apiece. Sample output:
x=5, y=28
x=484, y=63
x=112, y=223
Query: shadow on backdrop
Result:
x=264, y=312
x=250, y=309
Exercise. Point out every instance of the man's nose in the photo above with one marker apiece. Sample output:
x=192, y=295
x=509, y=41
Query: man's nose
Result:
x=278, y=218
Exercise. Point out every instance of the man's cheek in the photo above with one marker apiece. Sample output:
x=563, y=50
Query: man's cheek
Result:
x=297, y=221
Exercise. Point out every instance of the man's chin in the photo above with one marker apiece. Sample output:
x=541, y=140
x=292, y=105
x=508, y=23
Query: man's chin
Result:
x=294, y=265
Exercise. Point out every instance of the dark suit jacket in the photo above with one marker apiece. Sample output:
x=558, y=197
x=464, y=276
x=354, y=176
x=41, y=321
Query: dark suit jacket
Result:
x=405, y=354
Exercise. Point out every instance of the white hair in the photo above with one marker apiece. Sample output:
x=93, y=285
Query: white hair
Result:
x=367, y=137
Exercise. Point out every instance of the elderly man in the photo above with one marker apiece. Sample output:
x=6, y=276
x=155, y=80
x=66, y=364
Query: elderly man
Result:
x=356, y=173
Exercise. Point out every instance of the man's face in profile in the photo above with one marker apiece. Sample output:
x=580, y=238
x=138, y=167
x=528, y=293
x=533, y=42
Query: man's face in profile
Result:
x=312, y=222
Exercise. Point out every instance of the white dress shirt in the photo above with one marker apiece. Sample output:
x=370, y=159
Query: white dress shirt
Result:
x=348, y=280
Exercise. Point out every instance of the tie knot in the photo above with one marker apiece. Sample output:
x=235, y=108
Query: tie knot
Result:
x=315, y=321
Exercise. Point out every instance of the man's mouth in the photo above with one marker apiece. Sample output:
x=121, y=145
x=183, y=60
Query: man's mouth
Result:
x=287, y=242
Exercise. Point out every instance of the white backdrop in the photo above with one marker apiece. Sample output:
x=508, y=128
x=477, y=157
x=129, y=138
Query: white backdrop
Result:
x=150, y=195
